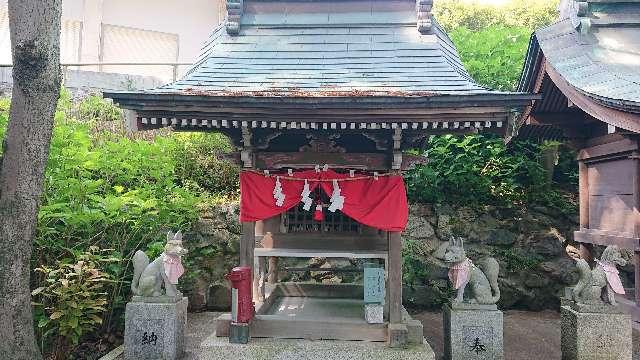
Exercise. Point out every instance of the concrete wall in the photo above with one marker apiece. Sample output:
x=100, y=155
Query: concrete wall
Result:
x=80, y=83
x=191, y=20
x=188, y=21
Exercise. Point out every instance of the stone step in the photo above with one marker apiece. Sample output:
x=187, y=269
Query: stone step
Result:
x=219, y=348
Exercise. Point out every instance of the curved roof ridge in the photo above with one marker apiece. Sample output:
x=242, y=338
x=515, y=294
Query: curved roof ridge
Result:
x=599, y=64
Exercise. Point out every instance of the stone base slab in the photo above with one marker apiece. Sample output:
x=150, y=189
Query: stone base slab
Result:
x=238, y=333
x=470, y=306
x=155, y=330
x=219, y=348
x=374, y=313
x=415, y=331
x=157, y=299
x=397, y=335
x=473, y=334
x=591, y=336
x=591, y=308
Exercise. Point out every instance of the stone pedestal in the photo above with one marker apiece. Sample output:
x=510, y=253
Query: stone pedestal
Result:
x=155, y=330
x=594, y=332
x=473, y=332
x=238, y=333
x=374, y=313
x=397, y=335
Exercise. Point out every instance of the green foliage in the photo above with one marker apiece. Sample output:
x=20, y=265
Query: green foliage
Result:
x=112, y=192
x=202, y=167
x=107, y=190
x=414, y=266
x=492, y=40
x=481, y=170
x=73, y=297
x=95, y=107
x=517, y=261
x=494, y=55
x=5, y=104
x=530, y=14
x=415, y=272
x=566, y=171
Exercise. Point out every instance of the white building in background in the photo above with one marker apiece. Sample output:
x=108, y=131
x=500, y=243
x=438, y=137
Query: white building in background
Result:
x=129, y=31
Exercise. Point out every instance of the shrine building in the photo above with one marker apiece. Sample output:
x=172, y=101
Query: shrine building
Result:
x=322, y=100
x=587, y=69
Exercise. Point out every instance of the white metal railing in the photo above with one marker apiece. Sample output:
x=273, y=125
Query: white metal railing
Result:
x=174, y=65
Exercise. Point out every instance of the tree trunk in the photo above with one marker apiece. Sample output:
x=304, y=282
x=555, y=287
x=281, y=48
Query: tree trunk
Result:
x=35, y=42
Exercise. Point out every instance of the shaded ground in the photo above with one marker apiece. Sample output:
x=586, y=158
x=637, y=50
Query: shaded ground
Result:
x=527, y=335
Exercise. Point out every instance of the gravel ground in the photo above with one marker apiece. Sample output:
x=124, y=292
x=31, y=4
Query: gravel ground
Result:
x=527, y=335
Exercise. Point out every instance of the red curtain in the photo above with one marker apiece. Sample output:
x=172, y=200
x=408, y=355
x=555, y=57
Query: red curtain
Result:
x=380, y=203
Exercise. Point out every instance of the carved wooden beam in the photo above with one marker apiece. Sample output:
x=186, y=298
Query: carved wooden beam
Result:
x=380, y=139
x=323, y=144
x=263, y=142
x=347, y=161
x=282, y=160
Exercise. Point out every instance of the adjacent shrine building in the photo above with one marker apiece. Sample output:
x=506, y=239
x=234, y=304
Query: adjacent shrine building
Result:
x=322, y=100
x=587, y=69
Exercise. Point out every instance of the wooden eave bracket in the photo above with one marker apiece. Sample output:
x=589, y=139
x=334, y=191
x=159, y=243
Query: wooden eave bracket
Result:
x=235, y=9
x=131, y=121
x=246, y=153
x=397, y=153
x=423, y=14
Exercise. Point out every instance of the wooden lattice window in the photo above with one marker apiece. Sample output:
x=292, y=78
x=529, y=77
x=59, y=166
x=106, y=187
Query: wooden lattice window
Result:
x=299, y=220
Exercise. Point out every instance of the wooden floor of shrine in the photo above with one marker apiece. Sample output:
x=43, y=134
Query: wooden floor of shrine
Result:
x=311, y=312
x=313, y=308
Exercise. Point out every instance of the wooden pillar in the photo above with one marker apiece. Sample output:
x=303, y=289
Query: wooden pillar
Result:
x=395, y=277
x=583, y=186
x=637, y=277
x=272, y=273
x=247, y=243
x=636, y=216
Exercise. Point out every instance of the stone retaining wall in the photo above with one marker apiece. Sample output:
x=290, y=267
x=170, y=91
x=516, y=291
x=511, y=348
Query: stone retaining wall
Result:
x=530, y=246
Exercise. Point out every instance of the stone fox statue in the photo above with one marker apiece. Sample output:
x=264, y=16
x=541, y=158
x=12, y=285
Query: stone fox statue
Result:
x=482, y=278
x=149, y=278
x=600, y=284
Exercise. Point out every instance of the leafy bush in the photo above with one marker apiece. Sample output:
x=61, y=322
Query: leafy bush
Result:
x=73, y=298
x=202, y=167
x=566, y=171
x=479, y=169
x=494, y=55
x=516, y=260
x=531, y=14
x=111, y=192
x=95, y=107
x=107, y=190
x=492, y=40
